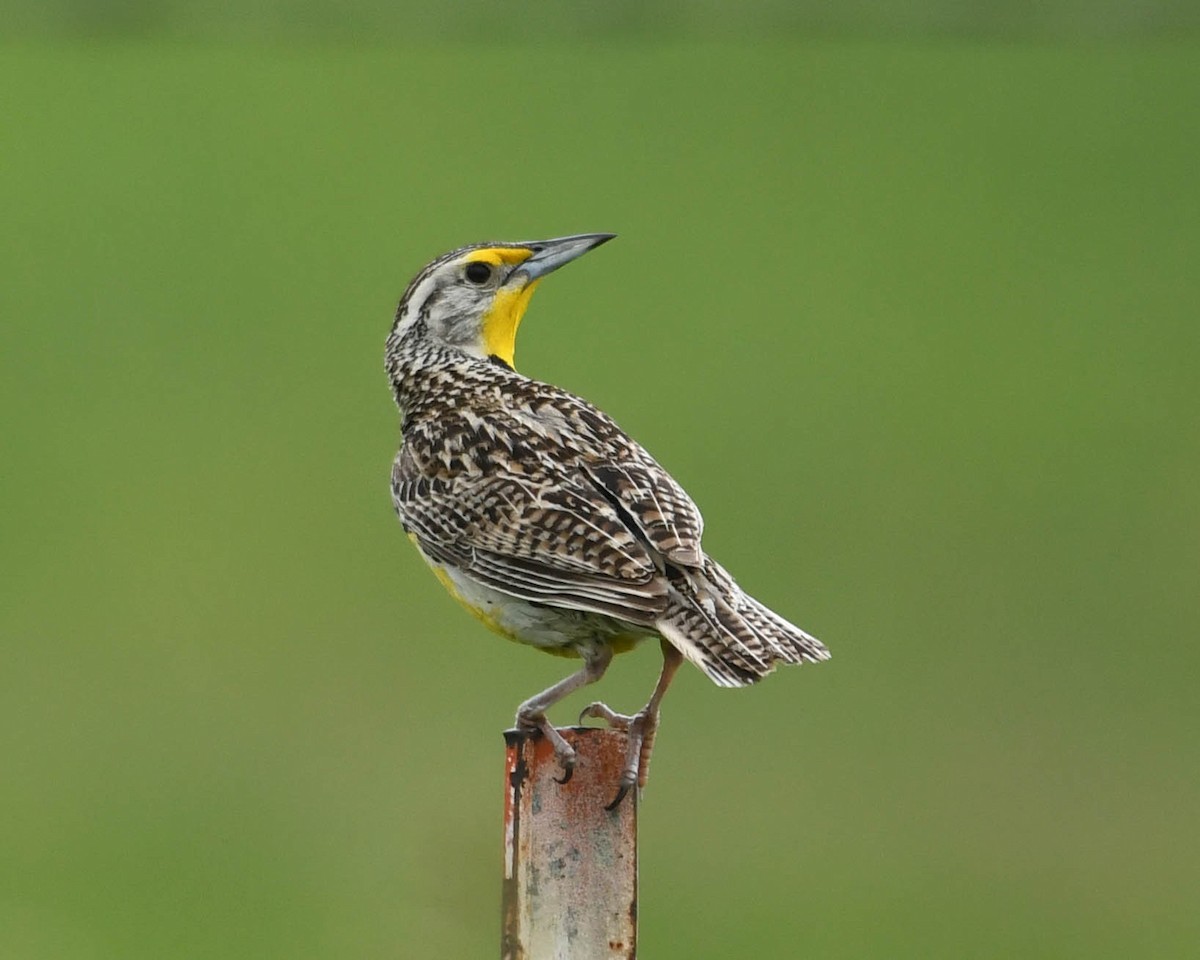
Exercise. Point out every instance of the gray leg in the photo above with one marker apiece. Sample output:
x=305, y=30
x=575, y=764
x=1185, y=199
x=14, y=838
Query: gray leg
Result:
x=641, y=727
x=531, y=715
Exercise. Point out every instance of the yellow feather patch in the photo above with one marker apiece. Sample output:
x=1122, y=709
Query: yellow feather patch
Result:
x=498, y=255
x=500, y=323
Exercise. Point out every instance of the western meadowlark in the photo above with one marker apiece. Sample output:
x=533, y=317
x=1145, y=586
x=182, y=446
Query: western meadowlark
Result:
x=540, y=515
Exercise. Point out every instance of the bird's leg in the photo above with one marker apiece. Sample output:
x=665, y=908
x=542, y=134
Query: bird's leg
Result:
x=531, y=715
x=640, y=728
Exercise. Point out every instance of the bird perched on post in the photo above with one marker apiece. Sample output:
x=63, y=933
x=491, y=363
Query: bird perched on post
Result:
x=541, y=516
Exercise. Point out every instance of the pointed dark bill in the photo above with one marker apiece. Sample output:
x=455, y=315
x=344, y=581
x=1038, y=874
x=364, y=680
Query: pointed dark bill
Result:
x=549, y=255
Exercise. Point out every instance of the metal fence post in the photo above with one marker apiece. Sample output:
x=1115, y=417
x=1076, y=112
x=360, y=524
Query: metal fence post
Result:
x=570, y=866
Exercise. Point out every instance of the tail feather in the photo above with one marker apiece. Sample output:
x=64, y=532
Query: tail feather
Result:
x=796, y=645
x=729, y=635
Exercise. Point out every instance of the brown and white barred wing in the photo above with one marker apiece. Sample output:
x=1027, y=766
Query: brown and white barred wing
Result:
x=539, y=537
x=656, y=506
x=648, y=498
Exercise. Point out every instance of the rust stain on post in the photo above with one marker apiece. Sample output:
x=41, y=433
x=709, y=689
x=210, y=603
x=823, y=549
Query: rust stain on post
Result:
x=570, y=866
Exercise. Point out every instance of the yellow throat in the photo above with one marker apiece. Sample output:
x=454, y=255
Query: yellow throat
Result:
x=500, y=323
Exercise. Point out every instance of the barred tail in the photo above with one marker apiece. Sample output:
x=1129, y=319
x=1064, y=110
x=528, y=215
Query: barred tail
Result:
x=728, y=634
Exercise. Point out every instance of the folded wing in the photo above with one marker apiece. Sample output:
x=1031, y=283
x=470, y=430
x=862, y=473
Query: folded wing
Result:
x=536, y=530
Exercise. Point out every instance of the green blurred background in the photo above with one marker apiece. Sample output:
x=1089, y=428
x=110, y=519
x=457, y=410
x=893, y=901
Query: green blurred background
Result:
x=906, y=296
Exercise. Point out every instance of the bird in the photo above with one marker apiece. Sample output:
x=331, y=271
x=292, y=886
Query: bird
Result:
x=542, y=517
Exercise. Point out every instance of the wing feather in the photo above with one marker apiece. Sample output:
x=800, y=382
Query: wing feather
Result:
x=649, y=499
x=537, y=533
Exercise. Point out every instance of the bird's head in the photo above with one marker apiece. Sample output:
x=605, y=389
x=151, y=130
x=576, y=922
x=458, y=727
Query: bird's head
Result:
x=473, y=298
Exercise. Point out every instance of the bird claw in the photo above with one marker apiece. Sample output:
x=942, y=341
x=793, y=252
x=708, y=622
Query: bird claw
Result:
x=640, y=729
x=622, y=792
x=601, y=711
x=562, y=750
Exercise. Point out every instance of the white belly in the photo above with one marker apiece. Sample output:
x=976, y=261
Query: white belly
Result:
x=539, y=625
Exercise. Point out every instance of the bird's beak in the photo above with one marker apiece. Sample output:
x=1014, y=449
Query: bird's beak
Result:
x=549, y=255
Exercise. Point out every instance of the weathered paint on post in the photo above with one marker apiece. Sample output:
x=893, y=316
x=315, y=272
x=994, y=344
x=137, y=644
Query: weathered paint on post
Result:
x=570, y=866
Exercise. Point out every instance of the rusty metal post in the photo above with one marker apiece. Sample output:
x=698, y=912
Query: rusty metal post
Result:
x=570, y=866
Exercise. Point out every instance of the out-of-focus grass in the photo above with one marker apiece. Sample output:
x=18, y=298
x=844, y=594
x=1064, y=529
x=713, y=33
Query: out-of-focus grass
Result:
x=916, y=325
x=477, y=20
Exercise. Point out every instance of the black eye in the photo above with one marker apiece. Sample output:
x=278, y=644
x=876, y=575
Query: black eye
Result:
x=479, y=272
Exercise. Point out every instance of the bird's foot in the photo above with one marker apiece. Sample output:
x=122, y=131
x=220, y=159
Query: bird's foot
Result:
x=601, y=711
x=530, y=721
x=640, y=729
